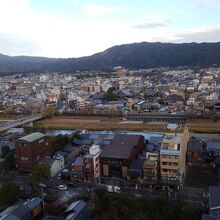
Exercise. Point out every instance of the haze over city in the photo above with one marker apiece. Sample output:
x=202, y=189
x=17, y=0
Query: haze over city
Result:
x=74, y=28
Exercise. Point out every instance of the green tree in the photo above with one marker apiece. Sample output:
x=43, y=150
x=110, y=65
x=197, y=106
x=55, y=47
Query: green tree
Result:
x=41, y=173
x=9, y=161
x=59, y=142
x=9, y=193
x=110, y=96
x=127, y=207
x=5, y=150
x=74, y=136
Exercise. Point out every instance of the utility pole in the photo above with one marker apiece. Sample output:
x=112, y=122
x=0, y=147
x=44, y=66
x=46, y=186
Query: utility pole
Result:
x=42, y=195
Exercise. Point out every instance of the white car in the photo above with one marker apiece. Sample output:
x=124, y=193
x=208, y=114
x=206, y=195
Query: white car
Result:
x=62, y=187
x=113, y=189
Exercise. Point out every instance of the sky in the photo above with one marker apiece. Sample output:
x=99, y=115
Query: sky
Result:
x=75, y=28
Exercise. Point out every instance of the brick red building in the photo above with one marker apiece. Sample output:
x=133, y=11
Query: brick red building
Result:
x=30, y=149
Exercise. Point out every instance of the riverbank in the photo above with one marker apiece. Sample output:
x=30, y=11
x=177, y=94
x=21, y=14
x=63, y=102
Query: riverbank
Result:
x=99, y=123
x=95, y=123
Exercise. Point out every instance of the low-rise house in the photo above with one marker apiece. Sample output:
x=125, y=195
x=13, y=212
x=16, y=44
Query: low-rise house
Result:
x=135, y=171
x=212, y=151
x=76, y=169
x=190, y=101
x=214, y=204
x=78, y=210
x=195, y=151
x=116, y=158
x=30, y=210
x=56, y=164
x=71, y=152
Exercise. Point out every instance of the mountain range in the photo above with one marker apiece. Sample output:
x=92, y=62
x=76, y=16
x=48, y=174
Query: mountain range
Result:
x=131, y=56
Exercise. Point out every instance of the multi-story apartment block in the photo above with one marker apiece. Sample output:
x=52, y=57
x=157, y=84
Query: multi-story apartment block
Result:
x=173, y=156
x=30, y=149
x=150, y=170
x=91, y=167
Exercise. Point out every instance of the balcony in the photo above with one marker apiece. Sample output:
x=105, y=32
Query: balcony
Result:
x=169, y=167
x=170, y=160
x=148, y=173
x=148, y=167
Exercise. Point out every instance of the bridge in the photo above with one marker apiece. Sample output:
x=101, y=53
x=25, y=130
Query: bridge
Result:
x=20, y=122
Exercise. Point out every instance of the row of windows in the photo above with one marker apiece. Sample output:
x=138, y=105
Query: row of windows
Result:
x=169, y=171
x=170, y=164
x=169, y=156
x=24, y=145
x=24, y=158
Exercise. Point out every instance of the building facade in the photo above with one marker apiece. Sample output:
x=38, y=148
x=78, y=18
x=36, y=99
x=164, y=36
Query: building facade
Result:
x=173, y=156
x=30, y=149
x=56, y=164
x=116, y=157
x=150, y=170
x=91, y=165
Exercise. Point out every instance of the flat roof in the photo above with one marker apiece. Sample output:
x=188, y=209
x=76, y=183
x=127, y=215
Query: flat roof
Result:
x=214, y=196
x=174, y=138
x=121, y=146
x=32, y=137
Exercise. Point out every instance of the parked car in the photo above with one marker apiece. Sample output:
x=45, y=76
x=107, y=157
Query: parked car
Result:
x=62, y=187
x=113, y=189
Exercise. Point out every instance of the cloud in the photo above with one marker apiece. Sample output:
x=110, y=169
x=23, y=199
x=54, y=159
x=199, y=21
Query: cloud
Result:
x=93, y=9
x=27, y=31
x=207, y=34
x=207, y=3
x=153, y=24
x=18, y=45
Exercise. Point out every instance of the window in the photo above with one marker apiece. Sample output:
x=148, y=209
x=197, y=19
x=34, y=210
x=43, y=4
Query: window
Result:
x=174, y=157
x=24, y=158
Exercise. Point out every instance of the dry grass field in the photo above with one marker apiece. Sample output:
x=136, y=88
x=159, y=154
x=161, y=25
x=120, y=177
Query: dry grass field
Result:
x=117, y=123
x=95, y=123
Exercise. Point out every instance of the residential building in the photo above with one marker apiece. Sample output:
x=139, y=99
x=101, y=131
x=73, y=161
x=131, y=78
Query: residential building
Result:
x=30, y=149
x=135, y=172
x=116, y=158
x=91, y=166
x=195, y=151
x=214, y=204
x=150, y=170
x=78, y=210
x=76, y=169
x=29, y=210
x=56, y=164
x=173, y=155
x=151, y=166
